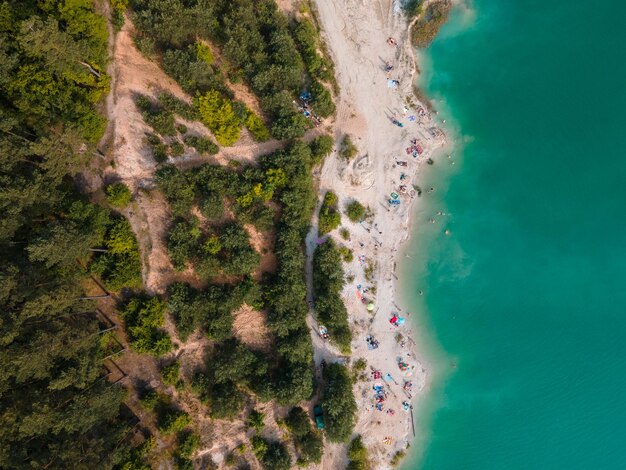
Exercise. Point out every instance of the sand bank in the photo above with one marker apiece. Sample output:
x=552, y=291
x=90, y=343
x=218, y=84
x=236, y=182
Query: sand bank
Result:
x=389, y=158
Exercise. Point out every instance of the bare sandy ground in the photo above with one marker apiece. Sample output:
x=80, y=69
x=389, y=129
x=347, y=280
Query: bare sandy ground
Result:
x=356, y=33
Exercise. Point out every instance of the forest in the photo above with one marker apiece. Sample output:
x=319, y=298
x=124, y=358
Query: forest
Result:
x=252, y=42
x=61, y=249
x=52, y=59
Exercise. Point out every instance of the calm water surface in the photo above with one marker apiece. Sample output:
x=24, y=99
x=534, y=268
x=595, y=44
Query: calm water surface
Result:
x=524, y=310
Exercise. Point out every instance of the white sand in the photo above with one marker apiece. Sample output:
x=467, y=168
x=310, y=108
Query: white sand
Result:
x=356, y=33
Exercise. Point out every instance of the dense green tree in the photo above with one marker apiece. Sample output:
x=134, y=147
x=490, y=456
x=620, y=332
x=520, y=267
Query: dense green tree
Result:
x=321, y=147
x=70, y=236
x=120, y=265
x=338, y=403
x=183, y=242
x=272, y=455
x=144, y=318
x=298, y=422
x=218, y=115
x=311, y=447
x=118, y=194
x=328, y=282
x=329, y=217
x=178, y=189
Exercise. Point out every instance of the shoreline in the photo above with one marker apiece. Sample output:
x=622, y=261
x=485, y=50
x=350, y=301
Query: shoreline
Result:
x=368, y=102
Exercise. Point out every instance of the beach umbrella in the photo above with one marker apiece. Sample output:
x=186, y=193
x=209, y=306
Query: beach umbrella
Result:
x=370, y=307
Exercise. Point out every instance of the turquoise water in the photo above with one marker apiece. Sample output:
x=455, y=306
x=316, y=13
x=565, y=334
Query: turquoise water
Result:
x=524, y=306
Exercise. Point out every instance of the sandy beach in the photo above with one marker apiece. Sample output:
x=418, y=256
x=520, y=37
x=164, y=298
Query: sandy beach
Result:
x=386, y=167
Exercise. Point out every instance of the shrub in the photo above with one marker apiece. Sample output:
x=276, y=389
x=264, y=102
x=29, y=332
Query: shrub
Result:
x=355, y=211
x=118, y=194
x=397, y=458
x=356, y=449
x=348, y=149
x=177, y=106
x=170, y=374
x=160, y=119
x=218, y=115
x=321, y=147
x=181, y=128
x=345, y=233
x=338, y=403
x=183, y=242
x=188, y=443
x=256, y=420
x=346, y=254
x=177, y=149
x=171, y=420
x=212, y=205
x=179, y=191
x=203, y=145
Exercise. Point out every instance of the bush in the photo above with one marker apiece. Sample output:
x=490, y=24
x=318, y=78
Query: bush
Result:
x=308, y=442
x=171, y=420
x=158, y=148
x=397, y=458
x=181, y=128
x=356, y=449
x=329, y=218
x=218, y=115
x=348, y=149
x=177, y=106
x=346, y=254
x=203, y=145
x=212, y=205
x=177, y=149
x=170, y=374
x=118, y=194
x=183, y=242
x=161, y=120
x=355, y=211
x=321, y=147
x=188, y=443
x=338, y=403
x=256, y=420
